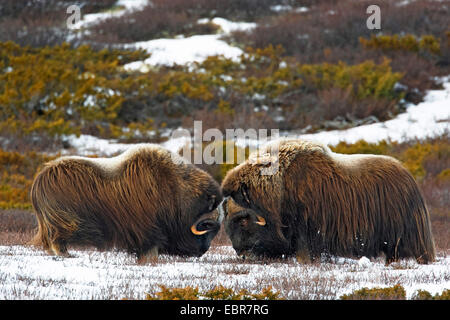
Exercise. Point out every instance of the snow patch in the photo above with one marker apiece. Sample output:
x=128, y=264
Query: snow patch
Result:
x=429, y=118
x=182, y=51
x=228, y=26
x=94, y=18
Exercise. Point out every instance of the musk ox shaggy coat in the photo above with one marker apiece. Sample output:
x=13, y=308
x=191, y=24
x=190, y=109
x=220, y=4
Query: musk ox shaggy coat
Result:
x=146, y=200
x=322, y=202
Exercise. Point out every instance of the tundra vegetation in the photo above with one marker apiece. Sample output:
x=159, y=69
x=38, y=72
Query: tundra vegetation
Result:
x=302, y=69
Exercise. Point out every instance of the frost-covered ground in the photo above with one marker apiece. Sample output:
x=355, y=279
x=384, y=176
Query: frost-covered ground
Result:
x=27, y=273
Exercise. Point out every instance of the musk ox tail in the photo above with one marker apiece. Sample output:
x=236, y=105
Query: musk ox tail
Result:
x=55, y=225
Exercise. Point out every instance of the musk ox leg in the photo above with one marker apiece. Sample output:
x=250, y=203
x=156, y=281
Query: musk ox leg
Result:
x=392, y=253
x=150, y=256
x=303, y=256
x=58, y=248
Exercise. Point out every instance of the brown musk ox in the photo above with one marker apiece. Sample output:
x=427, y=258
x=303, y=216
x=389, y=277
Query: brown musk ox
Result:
x=320, y=202
x=146, y=201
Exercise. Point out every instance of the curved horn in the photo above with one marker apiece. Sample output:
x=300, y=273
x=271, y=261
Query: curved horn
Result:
x=261, y=221
x=196, y=232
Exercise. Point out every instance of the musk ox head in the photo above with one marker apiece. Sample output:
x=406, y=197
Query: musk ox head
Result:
x=147, y=200
x=253, y=204
x=318, y=202
x=249, y=232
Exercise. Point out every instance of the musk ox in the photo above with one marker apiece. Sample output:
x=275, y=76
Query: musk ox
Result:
x=320, y=202
x=147, y=200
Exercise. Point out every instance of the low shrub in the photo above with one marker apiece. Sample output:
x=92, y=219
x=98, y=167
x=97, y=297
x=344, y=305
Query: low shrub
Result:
x=333, y=32
x=425, y=295
x=168, y=18
x=427, y=44
x=17, y=172
x=60, y=90
x=217, y=293
x=41, y=23
x=397, y=292
x=361, y=146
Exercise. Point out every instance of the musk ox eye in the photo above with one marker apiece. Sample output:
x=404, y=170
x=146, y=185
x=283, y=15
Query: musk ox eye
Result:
x=241, y=218
x=243, y=222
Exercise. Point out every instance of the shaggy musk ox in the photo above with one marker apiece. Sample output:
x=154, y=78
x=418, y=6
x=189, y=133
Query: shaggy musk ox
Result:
x=146, y=200
x=322, y=202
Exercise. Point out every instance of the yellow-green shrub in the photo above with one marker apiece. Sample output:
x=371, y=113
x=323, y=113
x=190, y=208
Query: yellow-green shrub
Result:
x=397, y=292
x=16, y=177
x=217, y=293
x=425, y=295
x=59, y=90
x=408, y=42
x=362, y=146
x=415, y=157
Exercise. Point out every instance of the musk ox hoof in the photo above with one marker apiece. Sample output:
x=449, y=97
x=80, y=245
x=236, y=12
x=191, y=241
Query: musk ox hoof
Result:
x=303, y=257
x=60, y=250
x=151, y=257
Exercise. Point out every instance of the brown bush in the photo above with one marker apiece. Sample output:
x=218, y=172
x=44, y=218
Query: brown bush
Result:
x=17, y=227
x=330, y=32
x=150, y=23
x=167, y=18
x=17, y=221
x=41, y=23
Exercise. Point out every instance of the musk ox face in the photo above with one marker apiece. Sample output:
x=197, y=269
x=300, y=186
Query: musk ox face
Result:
x=251, y=235
x=146, y=201
x=205, y=220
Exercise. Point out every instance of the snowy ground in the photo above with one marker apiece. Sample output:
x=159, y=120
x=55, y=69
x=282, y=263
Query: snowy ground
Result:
x=26, y=273
x=122, y=7
x=179, y=50
x=184, y=50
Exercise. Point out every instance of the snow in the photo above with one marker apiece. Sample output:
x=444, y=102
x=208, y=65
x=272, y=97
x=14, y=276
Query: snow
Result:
x=182, y=51
x=427, y=119
x=93, y=18
x=28, y=273
x=85, y=145
x=179, y=50
x=228, y=26
x=284, y=8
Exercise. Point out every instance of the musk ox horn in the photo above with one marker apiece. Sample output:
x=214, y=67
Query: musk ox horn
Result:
x=261, y=221
x=196, y=232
